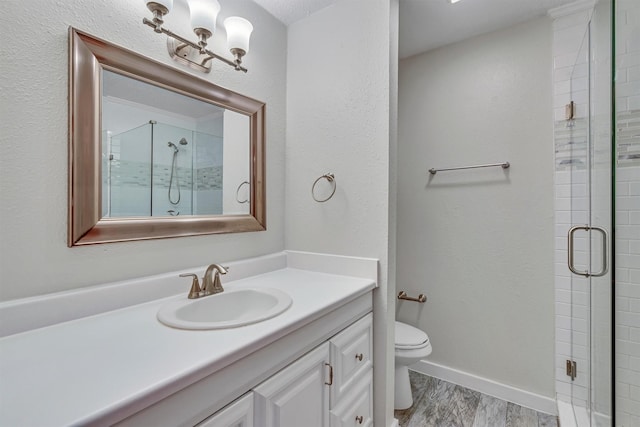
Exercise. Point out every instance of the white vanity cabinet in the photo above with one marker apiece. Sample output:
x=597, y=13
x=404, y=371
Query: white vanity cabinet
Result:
x=355, y=410
x=351, y=357
x=352, y=389
x=236, y=414
x=331, y=386
x=298, y=395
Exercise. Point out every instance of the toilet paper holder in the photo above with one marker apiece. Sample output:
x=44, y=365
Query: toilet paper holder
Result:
x=422, y=298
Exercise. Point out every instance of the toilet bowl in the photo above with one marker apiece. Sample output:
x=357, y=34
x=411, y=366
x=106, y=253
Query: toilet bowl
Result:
x=412, y=345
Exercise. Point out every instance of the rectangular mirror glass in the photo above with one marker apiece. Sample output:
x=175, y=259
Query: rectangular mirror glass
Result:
x=165, y=154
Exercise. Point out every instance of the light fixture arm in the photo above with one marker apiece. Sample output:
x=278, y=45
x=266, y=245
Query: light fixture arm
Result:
x=179, y=52
x=237, y=55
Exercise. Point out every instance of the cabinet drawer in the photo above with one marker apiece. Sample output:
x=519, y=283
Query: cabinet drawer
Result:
x=237, y=414
x=351, y=356
x=356, y=410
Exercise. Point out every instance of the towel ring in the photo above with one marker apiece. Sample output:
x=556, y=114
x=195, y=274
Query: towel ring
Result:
x=329, y=177
x=238, y=193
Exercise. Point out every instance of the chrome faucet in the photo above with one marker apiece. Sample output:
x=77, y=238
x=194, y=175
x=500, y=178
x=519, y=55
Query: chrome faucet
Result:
x=209, y=286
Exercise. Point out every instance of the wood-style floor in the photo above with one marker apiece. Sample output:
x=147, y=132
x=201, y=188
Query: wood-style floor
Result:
x=437, y=403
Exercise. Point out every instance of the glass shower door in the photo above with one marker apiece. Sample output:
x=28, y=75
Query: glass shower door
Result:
x=589, y=239
x=578, y=124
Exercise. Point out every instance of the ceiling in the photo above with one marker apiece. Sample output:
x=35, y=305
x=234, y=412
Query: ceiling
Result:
x=289, y=11
x=427, y=24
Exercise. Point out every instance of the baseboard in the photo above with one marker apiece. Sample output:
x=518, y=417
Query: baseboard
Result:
x=395, y=423
x=487, y=386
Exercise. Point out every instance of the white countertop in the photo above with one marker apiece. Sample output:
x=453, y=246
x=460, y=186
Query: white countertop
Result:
x=79, y=372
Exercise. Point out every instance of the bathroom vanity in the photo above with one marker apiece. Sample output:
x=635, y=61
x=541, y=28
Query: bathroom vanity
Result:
x=123, y=367
x=330, y=385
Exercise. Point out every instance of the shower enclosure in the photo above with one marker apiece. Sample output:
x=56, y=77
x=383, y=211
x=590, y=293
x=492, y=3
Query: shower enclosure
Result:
x=598, y=162
x=157, y=169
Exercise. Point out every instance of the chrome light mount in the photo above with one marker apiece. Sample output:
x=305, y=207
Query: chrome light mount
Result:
x=194, y=55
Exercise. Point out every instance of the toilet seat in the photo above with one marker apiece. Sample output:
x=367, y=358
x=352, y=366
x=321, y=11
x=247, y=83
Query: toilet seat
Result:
x=410, y=338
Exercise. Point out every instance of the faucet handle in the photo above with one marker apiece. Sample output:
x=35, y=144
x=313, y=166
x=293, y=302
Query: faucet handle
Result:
x=195, y=285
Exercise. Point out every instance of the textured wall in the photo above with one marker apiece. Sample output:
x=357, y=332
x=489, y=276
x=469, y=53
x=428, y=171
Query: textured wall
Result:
x=34, y=258
x=479, y=243
x=339, y=120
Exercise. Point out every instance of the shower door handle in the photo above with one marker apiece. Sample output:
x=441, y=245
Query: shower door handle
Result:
x=605, y=238
x=572, y=267
x=605, y=264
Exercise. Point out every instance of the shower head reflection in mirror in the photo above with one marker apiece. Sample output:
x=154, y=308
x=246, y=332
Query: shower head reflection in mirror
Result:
x=174, y=175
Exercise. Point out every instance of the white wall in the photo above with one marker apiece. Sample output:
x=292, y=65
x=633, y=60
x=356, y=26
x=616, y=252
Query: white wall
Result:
x=339, y=120
x=34, y=258
x=479, y=243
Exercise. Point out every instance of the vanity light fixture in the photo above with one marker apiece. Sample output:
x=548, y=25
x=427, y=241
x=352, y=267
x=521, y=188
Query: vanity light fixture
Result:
x=203, y=21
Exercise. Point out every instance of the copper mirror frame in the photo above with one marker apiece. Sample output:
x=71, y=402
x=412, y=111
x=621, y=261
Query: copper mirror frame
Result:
x=88, y=56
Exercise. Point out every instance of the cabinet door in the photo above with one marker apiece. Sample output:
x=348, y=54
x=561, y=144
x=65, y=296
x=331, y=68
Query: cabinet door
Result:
x=351, y=356
x=356, y=409
x=298, y=395
x=236, y=414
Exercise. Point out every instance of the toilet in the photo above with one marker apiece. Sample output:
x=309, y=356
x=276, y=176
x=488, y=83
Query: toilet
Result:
x=412, y=345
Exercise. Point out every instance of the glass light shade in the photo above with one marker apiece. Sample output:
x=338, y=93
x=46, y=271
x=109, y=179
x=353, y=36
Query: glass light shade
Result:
x=204, y=14
x=166, y=3
x=238, y=33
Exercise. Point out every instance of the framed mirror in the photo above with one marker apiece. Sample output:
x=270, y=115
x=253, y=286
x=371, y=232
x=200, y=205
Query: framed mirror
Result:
x=155, y=152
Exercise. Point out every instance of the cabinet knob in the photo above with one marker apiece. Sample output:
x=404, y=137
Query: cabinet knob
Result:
x=359, y=357
x=359, y=419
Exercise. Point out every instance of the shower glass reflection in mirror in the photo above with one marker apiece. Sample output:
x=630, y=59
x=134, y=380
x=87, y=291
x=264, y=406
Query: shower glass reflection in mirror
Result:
x=167, y=154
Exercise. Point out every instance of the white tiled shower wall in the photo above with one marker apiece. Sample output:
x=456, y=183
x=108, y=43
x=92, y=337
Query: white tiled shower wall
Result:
x=627, y=83
x=628, y=297
x=569, y=28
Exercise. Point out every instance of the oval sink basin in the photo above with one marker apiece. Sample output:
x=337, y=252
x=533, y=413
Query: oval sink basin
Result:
x=228, y=309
